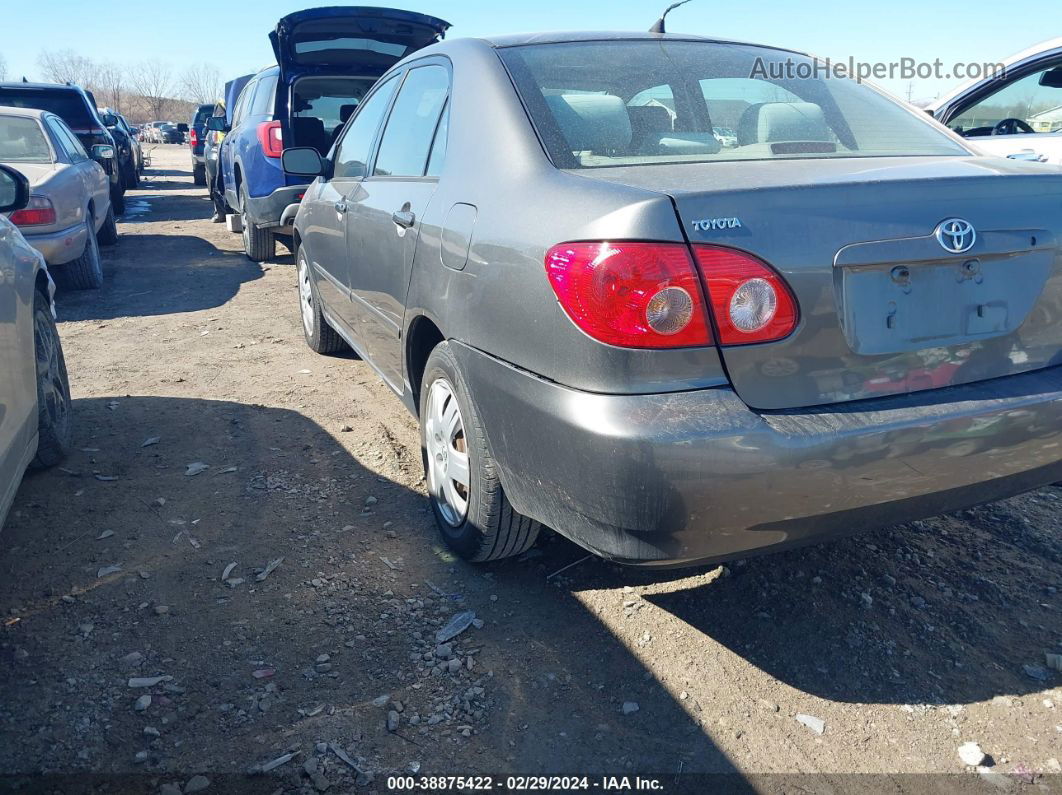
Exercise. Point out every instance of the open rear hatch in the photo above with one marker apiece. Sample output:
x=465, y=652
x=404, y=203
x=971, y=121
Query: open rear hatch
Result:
x=340, y=38
x=884, y=307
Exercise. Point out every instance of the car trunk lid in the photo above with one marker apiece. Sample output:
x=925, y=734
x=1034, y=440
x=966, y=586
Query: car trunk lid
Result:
x=342, y=38
x=885, y=309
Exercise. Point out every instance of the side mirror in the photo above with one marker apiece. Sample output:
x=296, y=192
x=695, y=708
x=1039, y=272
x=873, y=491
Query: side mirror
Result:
x=109, y=120
x=102, y=152
x=182, y=127
x=1052, y=78
x=303, y=161
x=14, y=190
x=217, y=124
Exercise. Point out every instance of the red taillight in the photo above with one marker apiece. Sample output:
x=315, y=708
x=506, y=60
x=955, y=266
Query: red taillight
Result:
x=193, y=137
x=750, y=301
x=271, y=138
x=634, y=295
x=39, y=212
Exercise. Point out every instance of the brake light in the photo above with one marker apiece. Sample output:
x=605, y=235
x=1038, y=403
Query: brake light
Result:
x=193, y=137
x=750, y=301
x=271, y=138
x=38, y=212
x=633, y=295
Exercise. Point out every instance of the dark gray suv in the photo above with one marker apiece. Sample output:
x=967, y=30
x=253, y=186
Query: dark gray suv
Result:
x=675, y=349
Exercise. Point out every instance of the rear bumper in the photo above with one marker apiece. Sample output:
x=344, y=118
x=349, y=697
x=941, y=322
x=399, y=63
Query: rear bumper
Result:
x=698, y=477
x=60, y=247
x=266, y=211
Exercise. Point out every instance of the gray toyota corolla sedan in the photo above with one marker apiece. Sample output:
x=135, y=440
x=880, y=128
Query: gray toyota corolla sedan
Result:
x=670, y=348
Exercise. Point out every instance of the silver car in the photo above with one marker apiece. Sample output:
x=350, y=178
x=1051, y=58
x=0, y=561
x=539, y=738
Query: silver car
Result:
x=34, y=391
x=668, y=350
x=69, y=215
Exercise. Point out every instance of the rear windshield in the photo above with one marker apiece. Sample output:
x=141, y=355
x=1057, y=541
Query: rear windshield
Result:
x=201, y=114
x=23, y=141
x=637, y=102
x=67, y=105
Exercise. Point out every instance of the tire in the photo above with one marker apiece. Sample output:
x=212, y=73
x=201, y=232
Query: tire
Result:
x=85, y=272
x=199, y=175
x=488, y=528
x=108, y=234
x=118, y=199
x=53, y=388
x=258, y=244
x=320, y=336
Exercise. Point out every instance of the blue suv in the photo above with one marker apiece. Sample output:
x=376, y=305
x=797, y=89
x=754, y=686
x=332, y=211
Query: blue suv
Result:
x=327, y=60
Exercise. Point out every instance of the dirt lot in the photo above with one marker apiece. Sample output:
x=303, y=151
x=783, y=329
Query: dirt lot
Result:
x=906, y=643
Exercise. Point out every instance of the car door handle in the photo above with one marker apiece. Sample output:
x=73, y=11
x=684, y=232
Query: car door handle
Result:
x=341, y=207
x=404, y=218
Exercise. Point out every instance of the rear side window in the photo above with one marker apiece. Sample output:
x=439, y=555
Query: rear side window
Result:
x=22, y=141
x=635, y=102
x=438, y=147
x=74, y=150
x=244, y=100
x=411, y=126
x=68, y=105
x=264, y=97
x=352, y=153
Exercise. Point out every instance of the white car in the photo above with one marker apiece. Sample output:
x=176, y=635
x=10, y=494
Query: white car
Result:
x=34, y=390
x=69, y=214
x=1018, y=115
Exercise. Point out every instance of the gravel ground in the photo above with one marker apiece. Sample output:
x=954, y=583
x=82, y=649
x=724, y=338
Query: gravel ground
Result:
x=169, y=626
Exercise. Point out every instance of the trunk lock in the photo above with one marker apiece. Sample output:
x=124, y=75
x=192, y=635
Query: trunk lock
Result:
x=901, y=274
x=971, y=269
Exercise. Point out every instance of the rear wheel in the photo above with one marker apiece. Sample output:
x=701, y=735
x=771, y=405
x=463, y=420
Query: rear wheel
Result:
x=53, y=387
x=471, y=510
x=85, y=272
x=118, y=198
x=199, y=174
x=320, y=336
x=258, y=244
x=108, y=234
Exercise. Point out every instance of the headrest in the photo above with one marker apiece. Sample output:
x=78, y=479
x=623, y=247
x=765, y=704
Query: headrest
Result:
x=346, y=111
x=769, y=122
x=592, y=122
x=654, y=118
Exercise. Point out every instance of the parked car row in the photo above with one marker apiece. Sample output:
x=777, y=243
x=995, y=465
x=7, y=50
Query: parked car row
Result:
x=164, y=132
x=675, y=311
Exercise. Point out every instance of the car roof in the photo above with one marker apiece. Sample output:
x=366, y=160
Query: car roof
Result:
x=562, y=37
x=33, y=113
x=55, y=86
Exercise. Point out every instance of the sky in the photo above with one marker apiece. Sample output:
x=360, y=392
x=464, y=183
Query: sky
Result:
x=232, y=34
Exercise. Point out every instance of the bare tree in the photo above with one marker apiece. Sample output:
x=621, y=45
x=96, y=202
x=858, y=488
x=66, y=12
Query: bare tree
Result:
x=201, y=83
x=3, y=68
x=109, y=86
x=154, y=82
x=66, y=66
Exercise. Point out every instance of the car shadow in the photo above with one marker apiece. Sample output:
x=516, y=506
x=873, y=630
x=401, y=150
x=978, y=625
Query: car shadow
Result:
x=366, y=585
x=148, y=274
x=942, y=611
